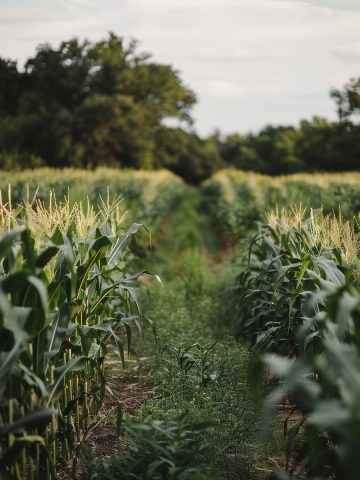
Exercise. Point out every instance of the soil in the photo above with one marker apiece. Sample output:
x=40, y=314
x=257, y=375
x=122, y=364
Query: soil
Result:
x=131, y=393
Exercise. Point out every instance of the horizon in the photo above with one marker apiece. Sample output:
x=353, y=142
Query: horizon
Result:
x=244, y=59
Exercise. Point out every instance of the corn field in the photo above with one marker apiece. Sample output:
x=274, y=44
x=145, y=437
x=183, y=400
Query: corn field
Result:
x=71, y=295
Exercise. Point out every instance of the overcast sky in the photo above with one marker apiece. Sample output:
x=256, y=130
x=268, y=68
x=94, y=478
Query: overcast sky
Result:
x=251, y=62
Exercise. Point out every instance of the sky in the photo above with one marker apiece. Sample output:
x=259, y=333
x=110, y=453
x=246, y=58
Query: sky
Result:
x=250, y=62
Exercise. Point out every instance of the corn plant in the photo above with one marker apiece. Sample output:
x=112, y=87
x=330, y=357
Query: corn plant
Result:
x=298, y=298
x=23, y=390
x=195, y=361
x=282, y=286
x=63, y=299
x=325, y=387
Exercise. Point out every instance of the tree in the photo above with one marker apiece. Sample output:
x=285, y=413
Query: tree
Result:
x=88, y=104
x=188, y=155
x=236, y=152
x=347, y=99
x=10, y=86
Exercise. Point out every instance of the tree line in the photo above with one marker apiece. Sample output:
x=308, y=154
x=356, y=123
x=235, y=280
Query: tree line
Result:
x=86, y=104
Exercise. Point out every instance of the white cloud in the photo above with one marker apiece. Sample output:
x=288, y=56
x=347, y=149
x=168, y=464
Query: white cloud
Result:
x=215, y=4
x=223, y=57
x=352, y=5
x=350, y=51
x=222, y=88
x=16, y=15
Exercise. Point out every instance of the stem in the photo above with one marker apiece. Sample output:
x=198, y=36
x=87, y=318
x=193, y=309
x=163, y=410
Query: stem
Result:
x=11, y=419
x=47, y=446
x=53, y=425
x=37, y=458
x=23, y=451
x=77, y=414
x=31, y=467
x=65, y=443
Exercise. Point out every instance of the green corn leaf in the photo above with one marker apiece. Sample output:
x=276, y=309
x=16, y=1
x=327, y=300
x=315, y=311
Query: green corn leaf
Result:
x=36, y=419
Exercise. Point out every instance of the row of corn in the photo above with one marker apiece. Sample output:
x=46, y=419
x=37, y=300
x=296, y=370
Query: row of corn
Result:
x=66, y=296
x=298, y=305
x=147, y=194
x=237, y=200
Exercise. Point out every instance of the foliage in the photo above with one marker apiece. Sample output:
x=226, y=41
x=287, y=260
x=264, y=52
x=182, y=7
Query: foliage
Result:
x=189, y=156
x=198, y=378
x=324, y=384
x=315, y=145
x=156, y=450
x=195, y=361
x=347, y=99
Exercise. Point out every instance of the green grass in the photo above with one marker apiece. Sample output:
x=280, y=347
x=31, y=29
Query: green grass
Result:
x=186, y=318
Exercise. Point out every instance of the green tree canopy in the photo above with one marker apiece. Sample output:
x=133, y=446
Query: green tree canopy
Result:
x=88, y=104
x=347, y=99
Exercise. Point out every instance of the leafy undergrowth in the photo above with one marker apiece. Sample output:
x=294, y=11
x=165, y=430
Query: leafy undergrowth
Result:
x=202, y=376
x=203, y=420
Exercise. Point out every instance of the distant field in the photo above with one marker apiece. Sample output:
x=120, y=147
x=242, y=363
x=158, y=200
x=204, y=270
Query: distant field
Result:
x=146, y=194
x=238, y=199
